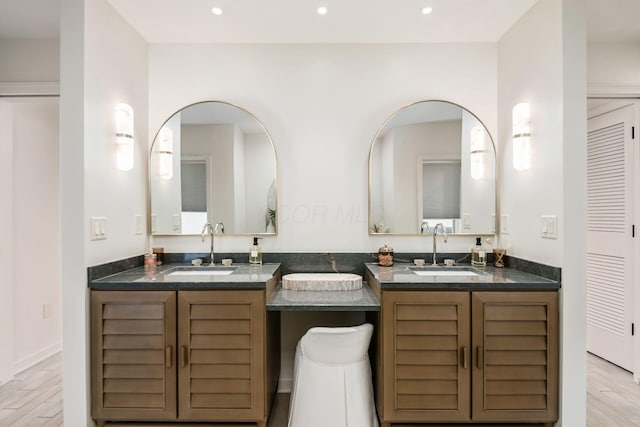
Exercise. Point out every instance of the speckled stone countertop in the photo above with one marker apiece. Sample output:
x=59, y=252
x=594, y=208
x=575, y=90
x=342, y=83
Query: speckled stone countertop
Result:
x=361, y=299
x=402, y=276
x=243, y=276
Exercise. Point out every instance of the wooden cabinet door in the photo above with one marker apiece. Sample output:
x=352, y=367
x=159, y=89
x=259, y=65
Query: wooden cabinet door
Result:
x=515, y=369
x=133, y=336
x=221, y=368
x=426, y=356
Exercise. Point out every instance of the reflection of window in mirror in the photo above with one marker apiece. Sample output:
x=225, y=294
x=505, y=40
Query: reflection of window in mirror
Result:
x=441, y=193
x=194, y=195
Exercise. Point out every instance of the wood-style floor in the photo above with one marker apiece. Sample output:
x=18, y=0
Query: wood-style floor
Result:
x=613, y=399
x=34, y=398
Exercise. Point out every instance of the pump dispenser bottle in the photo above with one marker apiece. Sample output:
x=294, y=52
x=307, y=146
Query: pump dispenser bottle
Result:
x=255, y=253
x=478, y=254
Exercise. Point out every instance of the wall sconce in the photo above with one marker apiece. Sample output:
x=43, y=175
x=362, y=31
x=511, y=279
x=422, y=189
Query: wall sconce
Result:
x=478, y=150
x=124, y=137
x=521, y=137
x=165, y=153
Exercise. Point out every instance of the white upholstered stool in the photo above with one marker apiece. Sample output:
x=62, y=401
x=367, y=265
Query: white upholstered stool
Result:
x=332, y=379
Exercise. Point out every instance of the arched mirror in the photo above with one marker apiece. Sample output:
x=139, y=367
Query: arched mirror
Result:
x=432, y=162
x=213, y=162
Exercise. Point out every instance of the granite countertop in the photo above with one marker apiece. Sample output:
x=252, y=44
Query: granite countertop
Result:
x=243, y=276
x=352, y=300
x=402, y=276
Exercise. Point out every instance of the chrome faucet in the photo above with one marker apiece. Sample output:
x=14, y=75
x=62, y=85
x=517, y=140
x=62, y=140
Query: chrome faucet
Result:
x=212, y=230
x=435, y=234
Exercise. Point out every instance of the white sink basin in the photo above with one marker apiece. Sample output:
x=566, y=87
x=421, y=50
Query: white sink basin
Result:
x=201, y=271
x=321, y=282
x=448, y=273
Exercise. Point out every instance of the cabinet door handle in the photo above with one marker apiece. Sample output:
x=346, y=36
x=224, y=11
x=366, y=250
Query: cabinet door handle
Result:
x=168, y=352
x=465, y=357
x=479, y=358
x=183, y=356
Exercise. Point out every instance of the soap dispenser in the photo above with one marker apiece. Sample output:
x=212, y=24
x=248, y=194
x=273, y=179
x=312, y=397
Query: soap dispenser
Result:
x=478, y=254
x=255, y=253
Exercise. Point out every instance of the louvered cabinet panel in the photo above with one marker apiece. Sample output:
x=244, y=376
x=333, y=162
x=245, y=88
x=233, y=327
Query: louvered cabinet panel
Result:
x=133, y=350
x=221, y=373
x=426, y=353
x=515, y=355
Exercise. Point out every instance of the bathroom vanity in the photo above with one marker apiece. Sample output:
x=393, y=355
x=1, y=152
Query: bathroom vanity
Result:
x=451, y=344
x=181, y=344
x=463, y=344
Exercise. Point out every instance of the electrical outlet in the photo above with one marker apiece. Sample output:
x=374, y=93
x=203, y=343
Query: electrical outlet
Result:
x=154, y=223
x=466, y=221
x=46, y=310
x=139, y=225
x=549, y=226
x=176, y=222
x=504, y=224
x=98, y=228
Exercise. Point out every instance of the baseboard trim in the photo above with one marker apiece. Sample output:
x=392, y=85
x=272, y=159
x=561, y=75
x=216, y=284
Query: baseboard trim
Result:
x=36, y=357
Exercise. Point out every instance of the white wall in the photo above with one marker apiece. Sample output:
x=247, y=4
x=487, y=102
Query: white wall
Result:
x=530, y=70
x=6, y=250
x=104, y=62
x=541, y=60
x=322, y=105
x=116, y=69
x=613, y=66
x=36, y=231
x=29, y=60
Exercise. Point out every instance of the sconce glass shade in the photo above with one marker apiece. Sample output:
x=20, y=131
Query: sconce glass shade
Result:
x=478, y=150
x=124, y=137
x=521, y=137
x=165, y=153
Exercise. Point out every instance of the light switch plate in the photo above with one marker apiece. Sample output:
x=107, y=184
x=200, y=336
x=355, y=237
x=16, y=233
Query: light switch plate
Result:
x=549, y=226
x=98, y=226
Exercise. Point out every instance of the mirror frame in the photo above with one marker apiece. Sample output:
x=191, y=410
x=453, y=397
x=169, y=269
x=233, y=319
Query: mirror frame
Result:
x=149, y=173
x=496, y=174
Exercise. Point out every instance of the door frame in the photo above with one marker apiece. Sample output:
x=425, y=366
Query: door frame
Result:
x=620, y=97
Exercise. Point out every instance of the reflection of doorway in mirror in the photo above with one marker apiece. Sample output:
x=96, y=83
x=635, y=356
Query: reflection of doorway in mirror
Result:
x=439, y=193
x=194, y=171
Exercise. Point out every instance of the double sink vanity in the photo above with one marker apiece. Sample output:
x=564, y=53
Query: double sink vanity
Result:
x=451, y=344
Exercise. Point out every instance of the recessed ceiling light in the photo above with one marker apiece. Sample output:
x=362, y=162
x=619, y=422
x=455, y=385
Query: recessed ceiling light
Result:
x=216, y=11
x=426, y=10
x=322, y=10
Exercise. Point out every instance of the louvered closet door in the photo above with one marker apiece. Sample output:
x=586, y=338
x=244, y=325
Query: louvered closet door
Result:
x=221, y=373
x=610, y=242
x=426, y=356
x=515, y=356
x=133, y=336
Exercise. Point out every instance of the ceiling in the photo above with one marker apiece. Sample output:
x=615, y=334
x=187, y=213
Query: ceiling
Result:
x=296, y=21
